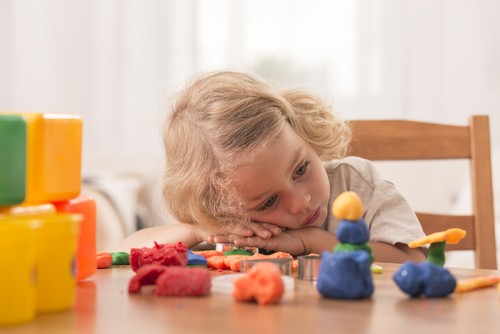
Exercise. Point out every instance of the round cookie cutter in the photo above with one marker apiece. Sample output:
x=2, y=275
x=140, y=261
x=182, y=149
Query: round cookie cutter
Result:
x=227, y=247
x=225, y=284
x=308, y=267
x=283, y=264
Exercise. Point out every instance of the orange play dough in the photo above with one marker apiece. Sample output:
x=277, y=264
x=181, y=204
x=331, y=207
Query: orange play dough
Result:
x=262, y=283
x=451, y=236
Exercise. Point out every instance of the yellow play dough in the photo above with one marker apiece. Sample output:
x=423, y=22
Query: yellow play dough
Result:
x=348, y=206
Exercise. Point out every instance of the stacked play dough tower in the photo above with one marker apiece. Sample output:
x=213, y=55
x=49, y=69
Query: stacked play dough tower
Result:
x=345, y=273
x=47, y=228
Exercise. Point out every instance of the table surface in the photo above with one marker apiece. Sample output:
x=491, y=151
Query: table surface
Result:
x=103, y=305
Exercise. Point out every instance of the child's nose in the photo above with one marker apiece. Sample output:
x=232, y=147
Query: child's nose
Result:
x=299, y=202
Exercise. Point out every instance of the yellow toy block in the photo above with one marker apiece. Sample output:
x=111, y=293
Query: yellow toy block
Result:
x=26, y=210
x=54, y=150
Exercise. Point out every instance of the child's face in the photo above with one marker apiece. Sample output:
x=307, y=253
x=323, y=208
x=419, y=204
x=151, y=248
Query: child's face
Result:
x=285, y=184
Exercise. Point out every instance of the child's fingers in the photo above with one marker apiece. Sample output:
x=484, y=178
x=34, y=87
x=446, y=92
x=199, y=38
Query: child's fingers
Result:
x=253, y=242
x=217, y=238
x=254, y=231
x=264, y=230
x=275, y=230
x=229, y=238
x=242, y=231
x=209, y=239
x=222, y=239
x=238, y=230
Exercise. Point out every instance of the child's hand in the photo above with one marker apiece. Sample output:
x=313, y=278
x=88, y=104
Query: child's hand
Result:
x=289, y=241
x=261, y=230
x=265, y=230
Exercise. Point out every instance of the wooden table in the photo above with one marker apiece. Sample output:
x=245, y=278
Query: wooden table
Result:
x=104, y=306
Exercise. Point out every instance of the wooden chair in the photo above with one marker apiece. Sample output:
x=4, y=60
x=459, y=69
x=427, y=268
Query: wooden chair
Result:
x=411, y=140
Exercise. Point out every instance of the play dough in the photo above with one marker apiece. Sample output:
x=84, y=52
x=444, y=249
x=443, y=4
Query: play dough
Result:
x=262, y=284
x=165, y=254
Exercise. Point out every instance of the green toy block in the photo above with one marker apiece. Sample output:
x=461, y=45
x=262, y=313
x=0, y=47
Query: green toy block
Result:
x=12, y=159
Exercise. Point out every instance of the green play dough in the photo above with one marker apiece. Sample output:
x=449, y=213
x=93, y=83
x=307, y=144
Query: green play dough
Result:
x=436, y=253
x=119, y=258
x=345, y=247
x=238, y=252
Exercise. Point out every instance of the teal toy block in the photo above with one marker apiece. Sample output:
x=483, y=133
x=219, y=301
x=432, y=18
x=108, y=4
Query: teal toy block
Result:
x=12, y=159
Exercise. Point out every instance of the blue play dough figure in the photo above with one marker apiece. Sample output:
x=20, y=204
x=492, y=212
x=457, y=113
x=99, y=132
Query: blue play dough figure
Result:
x=353, y=232
x=345, y=273
x=425, y=279
x=353, y=236
x=429, y=279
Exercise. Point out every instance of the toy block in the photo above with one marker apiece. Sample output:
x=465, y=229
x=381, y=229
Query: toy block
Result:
x=56, y=243
x=26, y=210
x=18, y=263
x=86, y=243
x=54, y=145
x=54, y=270
x=12, y=159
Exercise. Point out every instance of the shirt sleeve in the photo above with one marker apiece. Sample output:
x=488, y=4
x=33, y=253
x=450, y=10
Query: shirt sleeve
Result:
x=387, y=213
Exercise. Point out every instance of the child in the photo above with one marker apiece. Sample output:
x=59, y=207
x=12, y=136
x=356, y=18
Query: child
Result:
x=251, y=165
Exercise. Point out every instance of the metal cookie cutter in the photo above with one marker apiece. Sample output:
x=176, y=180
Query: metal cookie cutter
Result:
x=283, y=264
x=227, y=247
x=308, y=267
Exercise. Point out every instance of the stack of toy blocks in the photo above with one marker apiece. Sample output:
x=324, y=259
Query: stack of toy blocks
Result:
x=40, y=173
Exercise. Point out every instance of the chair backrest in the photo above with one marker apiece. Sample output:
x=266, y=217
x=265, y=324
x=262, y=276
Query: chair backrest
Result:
x=412, y=140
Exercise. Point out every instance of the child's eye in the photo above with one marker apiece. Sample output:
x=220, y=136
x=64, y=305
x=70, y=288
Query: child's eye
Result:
x=301, y=170
x=268, y=204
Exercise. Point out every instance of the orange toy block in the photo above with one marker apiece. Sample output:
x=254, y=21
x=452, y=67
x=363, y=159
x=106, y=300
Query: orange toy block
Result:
x=86, y=243
x=53, y=164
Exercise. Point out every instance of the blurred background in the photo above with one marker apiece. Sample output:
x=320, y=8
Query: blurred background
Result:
x=117, y=63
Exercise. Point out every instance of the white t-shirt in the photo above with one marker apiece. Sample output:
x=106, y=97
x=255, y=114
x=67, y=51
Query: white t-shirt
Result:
x=387, y=213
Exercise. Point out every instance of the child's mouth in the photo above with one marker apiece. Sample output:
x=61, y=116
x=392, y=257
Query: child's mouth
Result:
x=312, y=217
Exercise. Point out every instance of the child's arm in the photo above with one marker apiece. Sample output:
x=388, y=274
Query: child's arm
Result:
x=316, y=240
x=398, y=253
x=289, y=241
x=188, y=234
x=261, y=230
x=296, y=242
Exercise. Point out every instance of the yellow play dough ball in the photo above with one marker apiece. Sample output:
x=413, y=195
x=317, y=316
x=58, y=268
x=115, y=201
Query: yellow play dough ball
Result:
x=348, y=206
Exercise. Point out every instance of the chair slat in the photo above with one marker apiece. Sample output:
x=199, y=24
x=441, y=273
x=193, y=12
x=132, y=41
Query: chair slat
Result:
x=397, y=140
x=482, y=192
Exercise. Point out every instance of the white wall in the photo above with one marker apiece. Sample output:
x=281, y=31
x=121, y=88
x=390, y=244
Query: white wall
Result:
x=111, y=61
x=115, y=62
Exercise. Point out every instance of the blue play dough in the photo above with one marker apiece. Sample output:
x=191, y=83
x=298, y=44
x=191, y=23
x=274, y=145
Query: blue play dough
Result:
x=353, y=232
x=424, y=279
x=196, y=259
x=345, y=275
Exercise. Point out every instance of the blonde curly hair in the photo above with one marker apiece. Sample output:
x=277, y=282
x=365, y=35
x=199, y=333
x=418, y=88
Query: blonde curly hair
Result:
x=223, y=116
